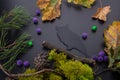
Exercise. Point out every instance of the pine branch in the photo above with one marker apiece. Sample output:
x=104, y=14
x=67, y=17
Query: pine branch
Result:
x=14, y=50
x=3, y=34
x=9, y=46
x=14, y=19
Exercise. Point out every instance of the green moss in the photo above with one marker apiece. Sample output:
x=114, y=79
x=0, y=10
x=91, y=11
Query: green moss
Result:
x=53, y=55
x=29, y=71
x=54, y=77
x=75, y=70
x=72, y=69
x=45, y=76
x=58, y=58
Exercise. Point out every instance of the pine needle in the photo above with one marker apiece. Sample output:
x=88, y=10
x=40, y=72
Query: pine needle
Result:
x=14, y=19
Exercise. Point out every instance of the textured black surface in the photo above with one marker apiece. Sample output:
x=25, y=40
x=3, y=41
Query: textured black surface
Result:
x=71, y=40
x=78, y=20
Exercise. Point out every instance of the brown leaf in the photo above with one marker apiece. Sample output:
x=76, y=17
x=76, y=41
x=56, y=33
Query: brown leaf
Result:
x=50, y=9
x=112, y=35
x=112, y=41
x=102, y=13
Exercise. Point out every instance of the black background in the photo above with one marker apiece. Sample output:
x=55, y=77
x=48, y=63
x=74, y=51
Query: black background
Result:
x=78, y=20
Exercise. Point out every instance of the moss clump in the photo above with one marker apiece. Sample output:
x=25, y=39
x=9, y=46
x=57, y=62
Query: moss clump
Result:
x=29, y=71
x=72, y=69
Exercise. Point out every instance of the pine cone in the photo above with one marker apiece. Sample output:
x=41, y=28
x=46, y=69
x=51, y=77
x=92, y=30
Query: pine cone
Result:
x=41, y=61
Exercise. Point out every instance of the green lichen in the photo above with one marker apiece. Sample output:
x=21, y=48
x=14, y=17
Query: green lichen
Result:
x=75, y=70
x=29, y=71
x=72, y=69
x=58, y=58
x=54, y=77
x=44, y=76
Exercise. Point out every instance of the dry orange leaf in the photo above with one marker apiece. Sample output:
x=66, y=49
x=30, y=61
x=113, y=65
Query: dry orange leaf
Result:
x=102, y=13
x=112, y=35
x=50, y=9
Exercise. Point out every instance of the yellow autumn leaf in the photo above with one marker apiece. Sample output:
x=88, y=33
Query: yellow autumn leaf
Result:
x=85, y=3
x=112, y=35
x=50, y=9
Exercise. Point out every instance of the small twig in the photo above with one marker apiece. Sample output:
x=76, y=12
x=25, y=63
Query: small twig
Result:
x=105, y=70
x=15, y=76
x=70, y=55
x=95, y=68
x=27, y=75
x=3, y=70
x=9, y=46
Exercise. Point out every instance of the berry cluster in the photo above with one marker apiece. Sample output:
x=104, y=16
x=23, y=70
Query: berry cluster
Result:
x=101, y=57
x=20, y=63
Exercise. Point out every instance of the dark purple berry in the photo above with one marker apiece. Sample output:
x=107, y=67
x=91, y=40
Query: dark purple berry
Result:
x=84, y=35
x=101, y=53
x=19, y=63
x=95, y=58
x=38, y=31
x=35, y=20
x=100, y=59
x=37, y=12
x=26, y=64
x=105, y=58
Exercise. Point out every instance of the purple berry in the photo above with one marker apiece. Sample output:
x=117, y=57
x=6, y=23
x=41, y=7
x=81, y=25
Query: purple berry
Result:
x=35, y=20
x=100, y=59
x=26, y=64
x=101, y=53
x=37, y=12
x=38, y=30
x=84, y=35
x=19, y=63
x=105, y=58
x=95, y=58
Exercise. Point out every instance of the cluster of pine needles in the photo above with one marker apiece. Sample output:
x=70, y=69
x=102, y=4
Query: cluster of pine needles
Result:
x=13, y=20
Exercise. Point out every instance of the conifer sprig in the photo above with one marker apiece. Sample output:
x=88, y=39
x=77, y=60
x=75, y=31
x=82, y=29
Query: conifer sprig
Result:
x=14, y=19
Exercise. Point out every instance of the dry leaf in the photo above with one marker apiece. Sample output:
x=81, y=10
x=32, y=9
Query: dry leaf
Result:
x=102, y=13
x=85, y=3
x=112, y=35
x=50, y=9
x=112, y=40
